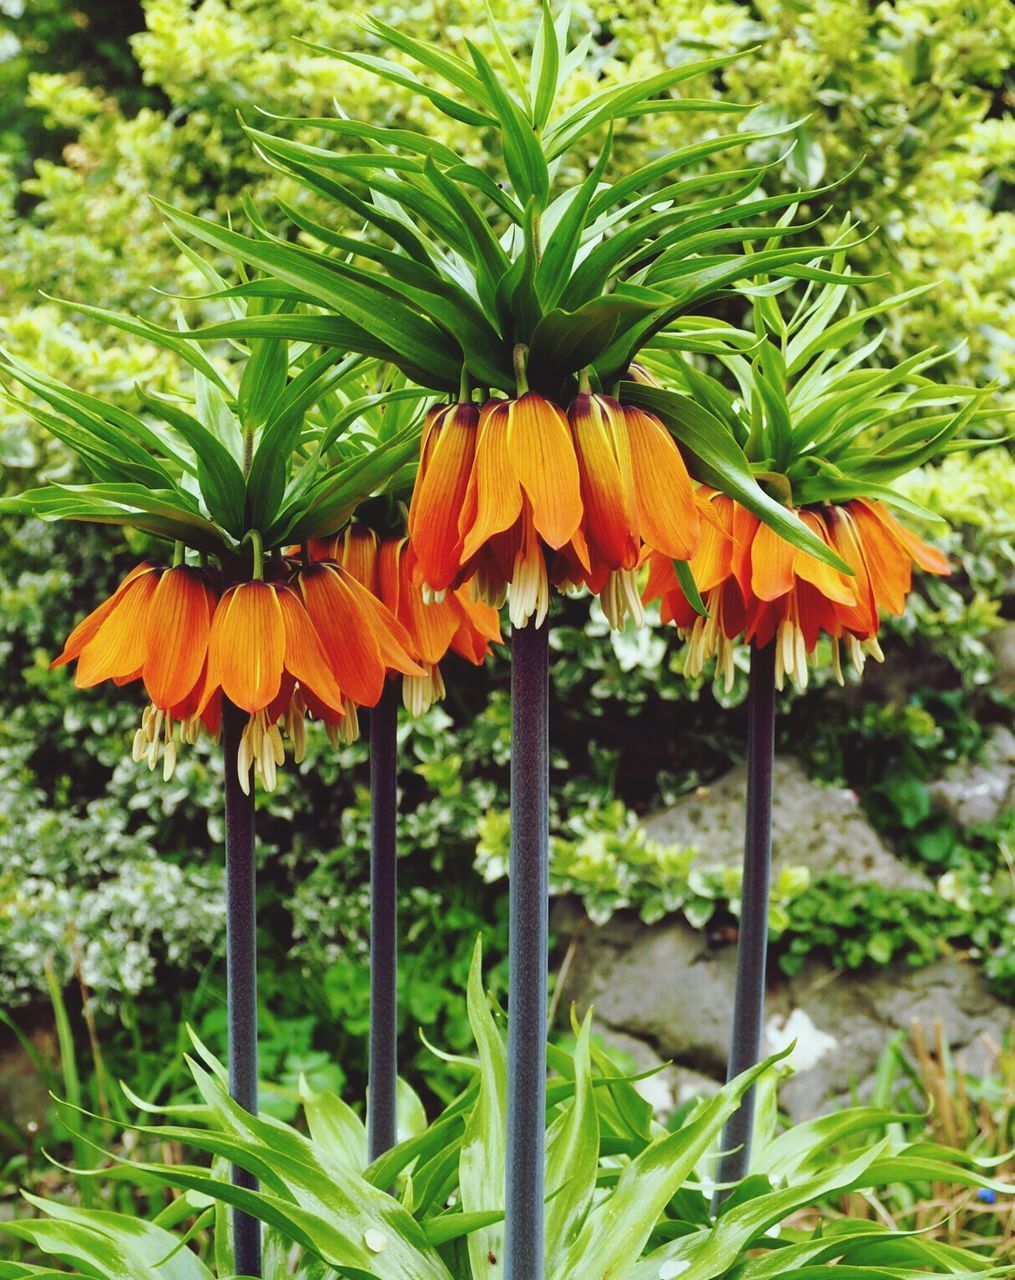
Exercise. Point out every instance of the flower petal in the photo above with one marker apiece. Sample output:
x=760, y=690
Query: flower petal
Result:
x=246, y=648
x=542, y=456
x=493, y=500
x=179, y=623
x=929, y=558
x=446, y=465
x=305, y=658
x=888, y=562
x=345, y=624
x=89, y=626
x=119, y=646
x=832, y=584
x=771, y=564
x=608, y=520
x=667, y=514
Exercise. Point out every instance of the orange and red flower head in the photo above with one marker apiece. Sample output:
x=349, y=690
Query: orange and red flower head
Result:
x=155, y=628
x=757, y=585
x=636, y=494
x=318, y=643
x=454, y=621
x=521, y=496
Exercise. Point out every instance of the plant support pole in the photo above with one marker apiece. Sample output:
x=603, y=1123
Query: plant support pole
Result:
x=382, y=1097
x=528, y=946
x=241, y=969
x=752, y=948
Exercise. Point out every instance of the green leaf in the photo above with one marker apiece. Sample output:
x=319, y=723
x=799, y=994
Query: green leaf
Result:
x=565, y=341
x=523, y=155
x=616, y=1231
x=482, y=1160
x=369, y=305
x=219, y=475
x=689, y=587
x=572, y=1158
x=721, y=463
x=162, y=337
x=545, y=71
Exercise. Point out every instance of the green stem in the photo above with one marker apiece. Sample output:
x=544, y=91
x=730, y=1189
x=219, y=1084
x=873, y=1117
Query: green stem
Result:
x=521, y=381
x=465, y=387
x=254, y=538
x=179, y=553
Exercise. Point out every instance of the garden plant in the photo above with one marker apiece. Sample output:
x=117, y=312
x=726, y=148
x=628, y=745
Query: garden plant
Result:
x=456, y=378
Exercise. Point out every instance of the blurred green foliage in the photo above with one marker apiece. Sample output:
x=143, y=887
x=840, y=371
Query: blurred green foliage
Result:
x=904, y=104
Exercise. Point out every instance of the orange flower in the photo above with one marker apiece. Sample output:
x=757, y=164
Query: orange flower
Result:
x=446, y=459
x=635, y=490
x=263, y=650
x=155, y=627
x=361, y=636
x=496, y=489
x=388, y=567
x=761, y=586
x=724, y=591
x=456, y=622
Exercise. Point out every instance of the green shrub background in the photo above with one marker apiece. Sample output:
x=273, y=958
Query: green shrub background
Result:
x=114, y=877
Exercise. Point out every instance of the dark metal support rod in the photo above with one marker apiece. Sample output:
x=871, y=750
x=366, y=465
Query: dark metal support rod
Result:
x=382, y=1126
x=752, y=949
x=528, y=943
x=241, y=969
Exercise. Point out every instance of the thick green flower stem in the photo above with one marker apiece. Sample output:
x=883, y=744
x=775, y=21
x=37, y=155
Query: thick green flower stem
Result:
x=752, y=949
x=528, y=939
x=241, y=968
x=382, y=1127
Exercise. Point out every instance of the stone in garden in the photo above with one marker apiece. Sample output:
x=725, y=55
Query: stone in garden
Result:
x=668, y=988
x=822, y=828
x=978, y=793
x=1002, y=645
x=664, y=993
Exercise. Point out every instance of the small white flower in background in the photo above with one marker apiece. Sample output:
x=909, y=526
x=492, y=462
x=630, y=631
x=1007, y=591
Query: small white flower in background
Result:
x=811, y=1044
x=949, y=888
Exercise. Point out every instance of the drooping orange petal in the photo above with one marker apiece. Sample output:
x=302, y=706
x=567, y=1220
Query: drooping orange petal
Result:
x=88, y=627
x=860, y=618
x=358, y=553
x=712, y=562
x=345, y=625
x=478, y=627
x=815, y=613
x=118, y=648
x=662, y=577
x=832, y=584
x=179, y=623
x=446, y=465
x=494, y=497
x=667, y=513
x=929, y=558
x=889, y=564
x=608, y=520
x=771, y=564
x=429, y=626
x=246, y=648
x=542, y=456
x=305, y=658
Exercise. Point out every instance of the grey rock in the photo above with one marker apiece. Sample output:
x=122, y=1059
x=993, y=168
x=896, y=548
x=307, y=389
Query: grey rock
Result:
x=822, y=828
x=978, y=793
x=1002, y=645
x=665, y=988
